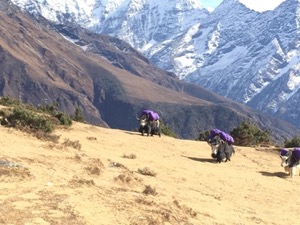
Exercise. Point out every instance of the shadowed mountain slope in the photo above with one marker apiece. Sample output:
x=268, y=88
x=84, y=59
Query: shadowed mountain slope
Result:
x=42, y=62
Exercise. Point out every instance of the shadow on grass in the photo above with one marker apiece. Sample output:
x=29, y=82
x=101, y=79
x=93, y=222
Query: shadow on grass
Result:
x=275, y=174
x=204, y=160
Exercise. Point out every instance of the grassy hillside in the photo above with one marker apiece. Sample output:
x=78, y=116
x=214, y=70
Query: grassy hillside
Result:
x=94, y=175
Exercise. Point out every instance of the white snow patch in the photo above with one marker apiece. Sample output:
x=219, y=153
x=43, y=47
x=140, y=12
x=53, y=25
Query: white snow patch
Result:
x=149, y=45
x=213, y=43
x=229, y=58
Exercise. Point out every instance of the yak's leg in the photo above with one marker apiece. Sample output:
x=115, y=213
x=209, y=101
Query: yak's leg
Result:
x=149, y=130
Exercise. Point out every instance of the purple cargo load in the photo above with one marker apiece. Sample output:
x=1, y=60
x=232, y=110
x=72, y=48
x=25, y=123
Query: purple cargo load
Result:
x=284, y=151
x=151, y=114
x=224, y=136
x=296, y=153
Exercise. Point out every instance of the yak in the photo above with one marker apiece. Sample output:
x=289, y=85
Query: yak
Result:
x=290, y=161
x=149, y=123
x=221, y=145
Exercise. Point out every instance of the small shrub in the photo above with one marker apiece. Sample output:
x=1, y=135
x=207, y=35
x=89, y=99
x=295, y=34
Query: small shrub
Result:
x=116, y=164
x=7, y=101
x=124, y=178
x=78, y=116
x=39, y=121
x=15, y=172
x=73, y=144
x=186, y=209
x=144, y=201
x=203, y=136
x=247, y=134
x=64, y=119
x=149, y=190
x=127, y=178
x=131, y=156
x=294, y=142
x=93, y=170
x=92, y=138
x=77, y=158
x=166, y=130
x=80, y=181
x=22, y=117
x=49, y=109
x=147, y=172
x=46, y=136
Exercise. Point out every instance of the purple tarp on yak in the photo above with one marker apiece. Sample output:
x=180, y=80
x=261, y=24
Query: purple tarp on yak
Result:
x=284, y=151
x=151, y=114
x=224, y=136
x=296, y=153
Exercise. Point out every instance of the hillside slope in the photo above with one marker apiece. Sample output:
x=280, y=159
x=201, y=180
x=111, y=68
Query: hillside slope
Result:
x=88, y=181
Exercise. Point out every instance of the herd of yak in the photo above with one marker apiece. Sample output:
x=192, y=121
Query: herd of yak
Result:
x=221, y=143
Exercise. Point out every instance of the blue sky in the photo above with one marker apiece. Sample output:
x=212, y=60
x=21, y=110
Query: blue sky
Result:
x=258, y=5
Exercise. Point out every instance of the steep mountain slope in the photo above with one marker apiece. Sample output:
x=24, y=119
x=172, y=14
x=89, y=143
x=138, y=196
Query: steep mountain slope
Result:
x=250, y=57
x=101, y=181
x=257, y=58
x=108, y=79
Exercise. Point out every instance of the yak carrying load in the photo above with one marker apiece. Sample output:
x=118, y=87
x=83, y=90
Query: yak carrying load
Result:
x=221, y=145
x=290, y=161
x=149, y=122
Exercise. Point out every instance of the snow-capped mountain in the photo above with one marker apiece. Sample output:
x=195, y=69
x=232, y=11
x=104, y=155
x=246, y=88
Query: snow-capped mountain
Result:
x=239, y=53
x=141, y=23
x=257, y=58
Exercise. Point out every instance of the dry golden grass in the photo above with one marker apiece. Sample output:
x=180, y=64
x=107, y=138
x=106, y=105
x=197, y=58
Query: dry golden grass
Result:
x=64, y=184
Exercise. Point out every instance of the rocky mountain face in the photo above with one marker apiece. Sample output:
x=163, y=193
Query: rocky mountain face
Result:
x=249, y=57
x=256, y=61
x=42, y=62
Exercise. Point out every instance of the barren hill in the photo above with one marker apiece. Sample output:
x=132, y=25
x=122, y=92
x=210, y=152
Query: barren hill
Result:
x=94, y=176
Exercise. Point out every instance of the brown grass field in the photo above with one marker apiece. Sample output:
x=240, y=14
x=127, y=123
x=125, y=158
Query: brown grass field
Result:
x=99, y=176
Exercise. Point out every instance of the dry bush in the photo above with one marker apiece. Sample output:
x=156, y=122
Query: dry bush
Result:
x=119, y=165
x=77, y=158
x=92, y=138
x=131, y=156
x=94, y=167
x=50, y=146
x=93, y=170
x=149, y=190
x=46, y=136
x=124, y=178
x=73, y=144
x=144, y=201
x=96, y=162
x=15, y=172
x=149, y=221
x=77, y=182
x=185, y=209
x=127, y=178
x=147, y=172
